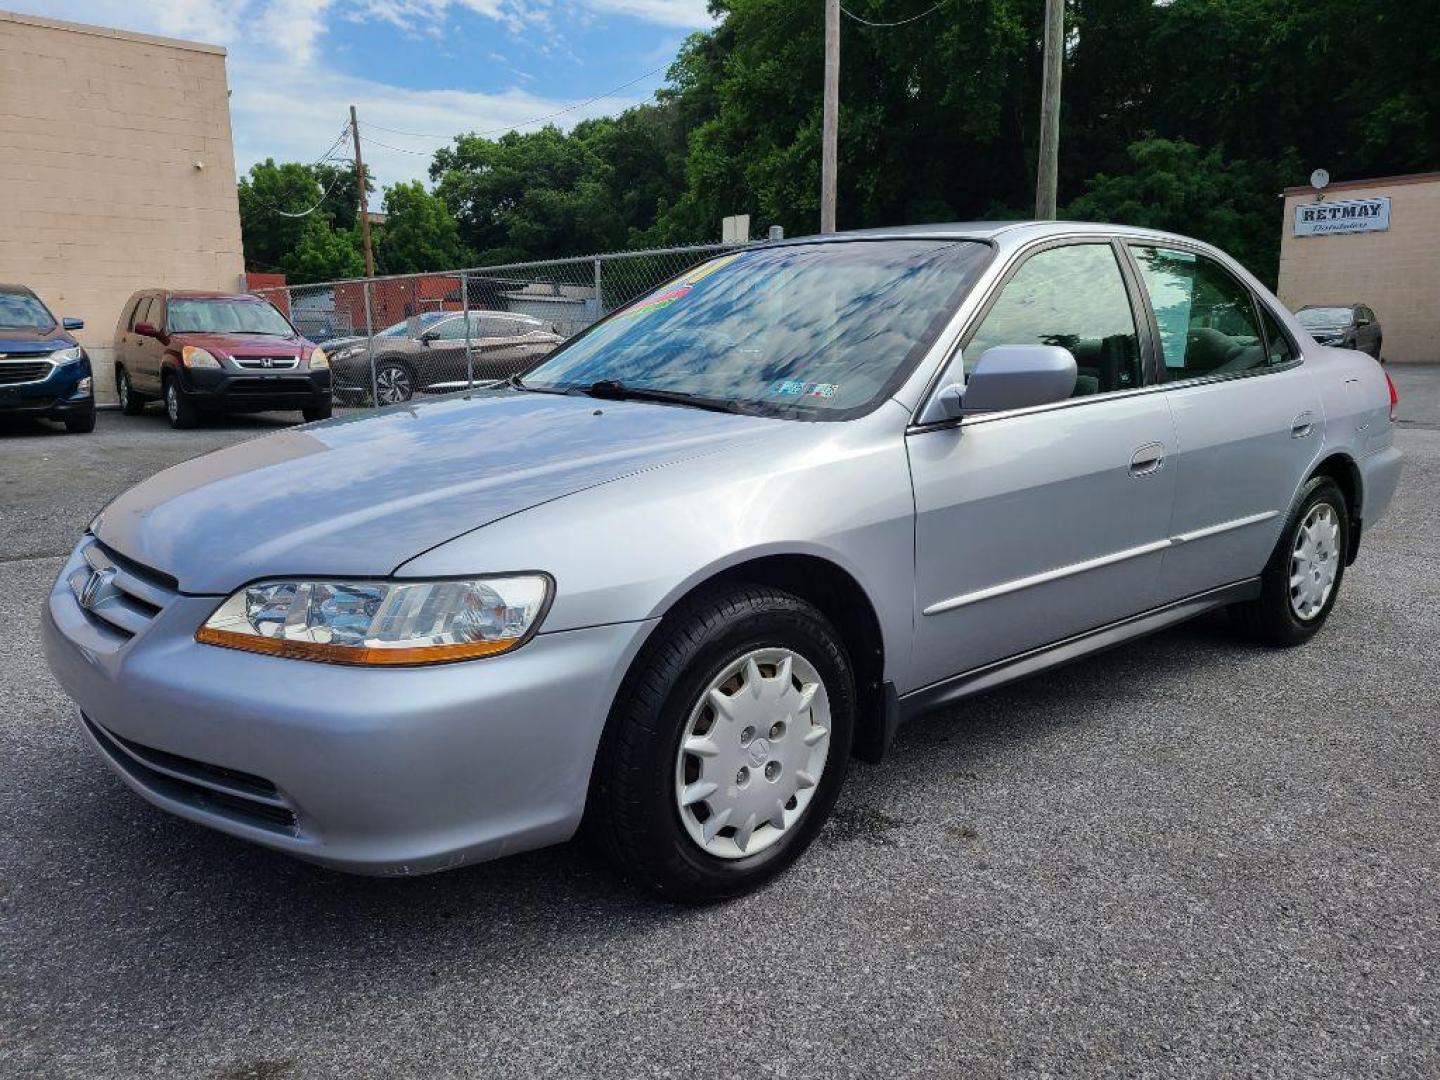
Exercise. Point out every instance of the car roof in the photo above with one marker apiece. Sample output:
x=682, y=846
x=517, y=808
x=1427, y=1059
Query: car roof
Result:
x=1338, y=303
x=23, y=290
x=208, y=294
x=992, y=230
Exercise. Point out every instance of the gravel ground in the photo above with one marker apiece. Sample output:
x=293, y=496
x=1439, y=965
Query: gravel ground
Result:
x=1189, y=857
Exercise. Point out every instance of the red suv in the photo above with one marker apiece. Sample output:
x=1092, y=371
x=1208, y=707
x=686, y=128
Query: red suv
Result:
x=208, y=352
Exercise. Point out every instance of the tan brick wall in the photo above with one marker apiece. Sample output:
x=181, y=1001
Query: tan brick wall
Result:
x=100, y=131
x=1396, y=272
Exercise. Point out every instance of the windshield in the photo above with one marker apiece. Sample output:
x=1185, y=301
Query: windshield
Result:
x=226, y=317
x=21, y=310
x=816, y=331
x=1323, y=316
x=413, y=326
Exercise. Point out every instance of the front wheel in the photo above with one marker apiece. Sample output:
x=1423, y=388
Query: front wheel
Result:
x=180, y=410
x=82, y=424
x=727, y=745
x=1302, y=580
x=317, y=412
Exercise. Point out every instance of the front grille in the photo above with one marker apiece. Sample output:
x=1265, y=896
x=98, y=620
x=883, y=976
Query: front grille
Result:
x=275, y=363
x=269, y=386
x=118, y=594
x=24, y=371
x=214, y=789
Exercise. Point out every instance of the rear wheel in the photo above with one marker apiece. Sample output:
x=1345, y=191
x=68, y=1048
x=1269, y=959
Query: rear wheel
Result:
x=1302, y=580
x=181, y=411
x=131, y=403
x=394, y=383
x=726, y=747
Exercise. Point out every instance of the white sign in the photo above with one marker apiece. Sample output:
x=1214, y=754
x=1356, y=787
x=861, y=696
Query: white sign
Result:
x=735, y=230
x=1351, y=216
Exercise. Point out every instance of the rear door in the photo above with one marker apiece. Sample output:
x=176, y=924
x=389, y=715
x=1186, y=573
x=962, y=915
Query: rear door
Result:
x=1037, y=524
x=1247, y=417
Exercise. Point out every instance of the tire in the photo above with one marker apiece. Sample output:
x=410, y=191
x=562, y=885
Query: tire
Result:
x=395, y=382
x=180, y=410
x=1286, y=614
x=636, y=817
x=80, y=425
x=317, y=412
x=131, y=403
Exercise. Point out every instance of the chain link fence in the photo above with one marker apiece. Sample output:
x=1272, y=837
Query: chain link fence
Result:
x=390, y=339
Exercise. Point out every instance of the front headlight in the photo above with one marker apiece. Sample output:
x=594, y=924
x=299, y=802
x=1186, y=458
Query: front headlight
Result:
x=318, y=360
x=63, y=356
x=382, y=622
x=196, y=357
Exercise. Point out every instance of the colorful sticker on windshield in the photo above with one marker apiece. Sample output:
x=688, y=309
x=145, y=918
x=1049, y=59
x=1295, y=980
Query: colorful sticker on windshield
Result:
x=678, y=291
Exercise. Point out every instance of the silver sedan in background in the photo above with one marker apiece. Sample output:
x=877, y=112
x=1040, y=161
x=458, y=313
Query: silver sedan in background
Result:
x=669, y=582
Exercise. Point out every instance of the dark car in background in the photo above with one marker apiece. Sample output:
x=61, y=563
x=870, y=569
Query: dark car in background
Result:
x=1345, y=326
x=43, y=370
x=427, y=353
x=210, y=353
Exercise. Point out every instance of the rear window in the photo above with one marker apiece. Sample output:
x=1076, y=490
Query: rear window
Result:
x=1323, y=316
x=219, y=316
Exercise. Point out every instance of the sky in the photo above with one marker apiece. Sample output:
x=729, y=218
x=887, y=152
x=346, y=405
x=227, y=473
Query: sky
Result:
x=418, y=71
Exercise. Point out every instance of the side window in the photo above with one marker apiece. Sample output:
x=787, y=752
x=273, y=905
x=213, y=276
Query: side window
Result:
x=1073, y=297
x=1206, y=317
x=141, y=312
x=1278, y=349
x=450, y=330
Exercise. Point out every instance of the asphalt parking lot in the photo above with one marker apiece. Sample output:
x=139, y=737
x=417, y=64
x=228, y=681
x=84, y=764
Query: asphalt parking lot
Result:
x=1188, y=857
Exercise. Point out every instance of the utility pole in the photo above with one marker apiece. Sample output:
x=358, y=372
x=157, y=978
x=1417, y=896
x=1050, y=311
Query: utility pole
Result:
x=830, y=134
x=364, y=196
x=1048, y=167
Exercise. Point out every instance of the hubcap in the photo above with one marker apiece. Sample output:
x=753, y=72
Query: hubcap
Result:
x=753, y=752
x=393, y=385
x=172, y=401
x=1315, y=561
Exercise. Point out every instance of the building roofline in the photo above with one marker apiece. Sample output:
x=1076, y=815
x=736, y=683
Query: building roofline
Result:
x=105, y=31
x=1378, y=181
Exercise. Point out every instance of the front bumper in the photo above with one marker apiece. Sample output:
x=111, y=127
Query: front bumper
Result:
x=398, y=771
x=56, y=396
x=229, y=390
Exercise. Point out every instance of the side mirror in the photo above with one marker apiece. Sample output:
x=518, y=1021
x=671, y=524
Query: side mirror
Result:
x=68, y=323
x=1012, y=377
x=145, y=329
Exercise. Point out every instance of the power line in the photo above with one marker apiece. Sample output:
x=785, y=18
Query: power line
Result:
x=900, y=22
x=306, y=213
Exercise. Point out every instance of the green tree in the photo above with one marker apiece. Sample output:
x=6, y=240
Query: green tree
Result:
x=1174, y=185
x=419, y=232
x=322, y=253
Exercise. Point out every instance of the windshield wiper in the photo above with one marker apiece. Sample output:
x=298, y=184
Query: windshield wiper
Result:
x=614, y=390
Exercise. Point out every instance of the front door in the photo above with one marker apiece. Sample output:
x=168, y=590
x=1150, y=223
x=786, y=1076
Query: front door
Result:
x=1247, y=418
x=1039, y=524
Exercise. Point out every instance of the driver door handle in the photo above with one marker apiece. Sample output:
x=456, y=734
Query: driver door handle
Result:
x=1148, y=460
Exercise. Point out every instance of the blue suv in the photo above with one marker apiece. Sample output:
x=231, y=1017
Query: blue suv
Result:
x=43, y=370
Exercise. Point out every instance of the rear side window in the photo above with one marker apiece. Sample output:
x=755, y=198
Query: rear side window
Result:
x=142, y=312
x=1073, y=297
x=1206, y=317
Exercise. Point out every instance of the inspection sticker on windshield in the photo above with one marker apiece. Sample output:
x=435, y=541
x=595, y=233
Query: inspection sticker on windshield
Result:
x=800, y=388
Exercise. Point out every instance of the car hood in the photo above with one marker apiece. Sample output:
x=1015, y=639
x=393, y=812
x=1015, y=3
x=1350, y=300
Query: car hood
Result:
x=26, y=340
x=241, y=344
x=362, y=495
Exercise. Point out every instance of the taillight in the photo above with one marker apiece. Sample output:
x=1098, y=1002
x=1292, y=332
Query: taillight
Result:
x=1394, y=395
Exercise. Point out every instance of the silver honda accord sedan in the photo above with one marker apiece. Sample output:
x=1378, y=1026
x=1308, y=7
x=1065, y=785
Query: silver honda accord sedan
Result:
x=669, y=582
